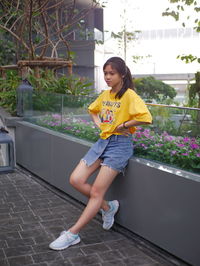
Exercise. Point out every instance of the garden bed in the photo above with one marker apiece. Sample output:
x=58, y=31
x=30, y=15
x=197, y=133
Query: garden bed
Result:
x=178, y=151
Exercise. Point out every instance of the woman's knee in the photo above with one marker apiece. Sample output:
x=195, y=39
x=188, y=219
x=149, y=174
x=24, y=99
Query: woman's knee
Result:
x=96, y=192
x=74, y=180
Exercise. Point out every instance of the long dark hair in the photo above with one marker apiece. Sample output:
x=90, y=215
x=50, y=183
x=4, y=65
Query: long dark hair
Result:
x=119, y=65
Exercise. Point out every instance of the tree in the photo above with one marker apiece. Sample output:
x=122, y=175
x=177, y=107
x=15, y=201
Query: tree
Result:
x=194, y=90
x=126, y=36
x=181, y=11
x=40, y=28
x=151, y=89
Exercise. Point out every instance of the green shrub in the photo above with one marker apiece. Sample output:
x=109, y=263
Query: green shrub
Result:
x=45, y=88
x=8, y=91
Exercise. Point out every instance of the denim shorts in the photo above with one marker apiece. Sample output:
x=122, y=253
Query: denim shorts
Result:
x=114, y=152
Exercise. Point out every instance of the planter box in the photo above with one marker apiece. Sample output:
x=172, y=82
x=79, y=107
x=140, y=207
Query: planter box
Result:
x=159, y=203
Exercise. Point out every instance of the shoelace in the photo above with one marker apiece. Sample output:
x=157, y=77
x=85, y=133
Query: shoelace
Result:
x=107, y=217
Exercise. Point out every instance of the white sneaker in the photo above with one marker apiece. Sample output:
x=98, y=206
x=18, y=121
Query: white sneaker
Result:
x=108, y=216
x=65, y=240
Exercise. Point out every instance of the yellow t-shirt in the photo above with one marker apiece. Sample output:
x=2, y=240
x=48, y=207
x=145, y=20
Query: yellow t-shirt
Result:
x=113, y=112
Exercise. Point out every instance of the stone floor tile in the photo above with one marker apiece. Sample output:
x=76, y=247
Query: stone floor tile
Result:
x=32, y=214
x=55, y=230
x=85, y=260
x=11, y=235
x=10, y=221
x=18, y=251
x=72, y=252
x=3, y=244
x=60, y=263
x=89, y=249
x=20, y=242
x=31, y=233
x=10, y=228
x=91, y=239
x=140, y=260
x=3, y=262
x=2, y=256
x=130, y=251
x=42, y=239
x=114, y=262
x=110, y=255
x=4, y=209
x=39, y=264
x=4, y=216
x=31, y=226
x=20, y=260
x=39, y=248
x=46, y=256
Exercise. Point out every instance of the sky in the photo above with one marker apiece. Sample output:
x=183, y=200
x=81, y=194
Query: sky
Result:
x=143, y=14
x=147, y=15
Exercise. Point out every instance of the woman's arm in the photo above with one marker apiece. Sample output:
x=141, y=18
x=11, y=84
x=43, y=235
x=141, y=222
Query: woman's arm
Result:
x=124, y=127
x=96, y=119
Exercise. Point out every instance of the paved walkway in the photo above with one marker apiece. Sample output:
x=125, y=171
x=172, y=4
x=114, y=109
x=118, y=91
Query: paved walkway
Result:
x=32, y=214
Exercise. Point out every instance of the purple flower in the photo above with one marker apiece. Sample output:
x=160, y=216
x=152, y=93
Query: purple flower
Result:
x=159, y=145
x=138, y=134
x=186, y=139
x=173, y=152
x=180, y=145
x=168, y=138
x=143, y=146
x=194, y=146
x=185, y=154
x=198, y=154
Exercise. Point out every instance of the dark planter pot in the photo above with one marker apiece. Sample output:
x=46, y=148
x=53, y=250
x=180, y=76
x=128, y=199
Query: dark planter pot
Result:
x=159, y=203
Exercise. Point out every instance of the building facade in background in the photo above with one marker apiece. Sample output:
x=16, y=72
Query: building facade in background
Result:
x=86, y=42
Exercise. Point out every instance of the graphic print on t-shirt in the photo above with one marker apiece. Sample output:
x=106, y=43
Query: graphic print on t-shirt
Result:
x=107, y=114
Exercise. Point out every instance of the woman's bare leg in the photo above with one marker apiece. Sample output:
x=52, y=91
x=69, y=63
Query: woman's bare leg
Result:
x=97, y=191
x=79, y=177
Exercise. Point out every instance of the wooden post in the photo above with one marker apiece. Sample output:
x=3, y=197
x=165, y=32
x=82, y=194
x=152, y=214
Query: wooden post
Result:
x=37, y=72
x=69, y=68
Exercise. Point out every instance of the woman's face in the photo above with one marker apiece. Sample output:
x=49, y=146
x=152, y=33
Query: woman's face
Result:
x=112, y=77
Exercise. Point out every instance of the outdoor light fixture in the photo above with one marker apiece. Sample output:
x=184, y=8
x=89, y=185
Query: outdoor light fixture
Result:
x=6, y=152
x=24, y=97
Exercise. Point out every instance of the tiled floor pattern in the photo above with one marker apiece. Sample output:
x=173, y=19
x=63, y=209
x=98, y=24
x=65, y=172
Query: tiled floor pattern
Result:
x=31, y=216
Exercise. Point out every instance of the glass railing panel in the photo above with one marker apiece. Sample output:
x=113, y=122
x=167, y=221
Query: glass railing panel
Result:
x=43, y=104
x=173, y=138
x=76, y=120
x=178, y=121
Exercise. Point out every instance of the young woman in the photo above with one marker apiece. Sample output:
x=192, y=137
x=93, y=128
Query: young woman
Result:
x=116, y=112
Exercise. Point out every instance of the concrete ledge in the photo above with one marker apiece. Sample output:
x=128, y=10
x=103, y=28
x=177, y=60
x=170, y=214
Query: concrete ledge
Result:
x=11, y=121
x=160, y=205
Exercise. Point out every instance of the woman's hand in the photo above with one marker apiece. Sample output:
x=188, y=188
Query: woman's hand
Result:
x=122, y=130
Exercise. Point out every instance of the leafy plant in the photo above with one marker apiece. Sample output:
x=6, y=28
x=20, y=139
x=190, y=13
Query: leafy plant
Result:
x=8, y=91
x=48, y=91
x=71, y=125
x=71, y=84
x=183, y=152
x=7, y=52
